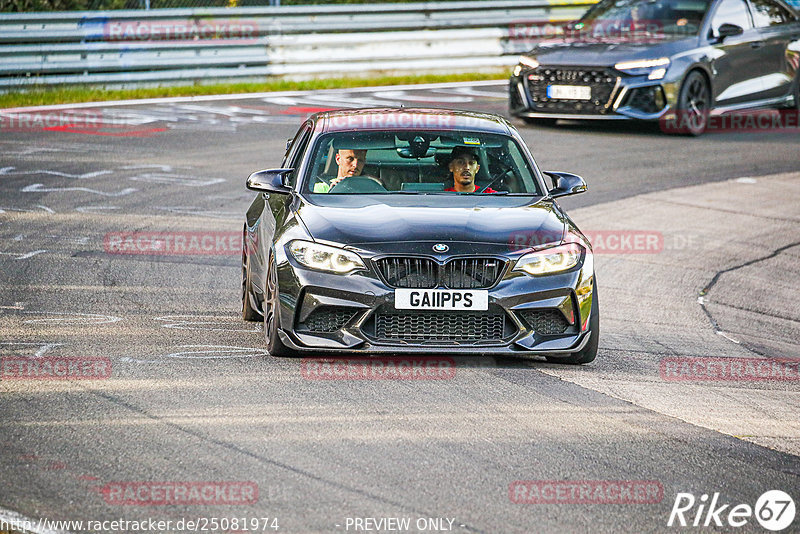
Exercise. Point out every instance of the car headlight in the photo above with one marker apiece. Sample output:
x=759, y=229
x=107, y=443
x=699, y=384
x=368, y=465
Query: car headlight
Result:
x=325, y=258
x=525, y=62
x=654, y=68
x=550, y=260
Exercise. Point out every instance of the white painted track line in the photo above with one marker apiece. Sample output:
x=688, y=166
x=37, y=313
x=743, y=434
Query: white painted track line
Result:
x=245, y=96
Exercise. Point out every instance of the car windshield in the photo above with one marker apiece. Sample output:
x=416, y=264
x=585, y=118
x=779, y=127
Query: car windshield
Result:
x=419, y=163
x=632, y=18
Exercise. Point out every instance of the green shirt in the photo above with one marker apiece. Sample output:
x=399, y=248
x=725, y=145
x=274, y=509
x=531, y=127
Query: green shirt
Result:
x=321, y=187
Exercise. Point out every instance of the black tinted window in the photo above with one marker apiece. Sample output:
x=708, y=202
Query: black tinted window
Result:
x=731, y=12
x=630, y=18
x=293, y=157
x=418, y=162
x=768, y=13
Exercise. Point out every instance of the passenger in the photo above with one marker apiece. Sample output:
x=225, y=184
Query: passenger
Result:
x=350, y=163
x=463, y=163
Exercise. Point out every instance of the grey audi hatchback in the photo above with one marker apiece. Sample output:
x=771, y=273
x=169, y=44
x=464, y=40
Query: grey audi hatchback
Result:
x=674, y=61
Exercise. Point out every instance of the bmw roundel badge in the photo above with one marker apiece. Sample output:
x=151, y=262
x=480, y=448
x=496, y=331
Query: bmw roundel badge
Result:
x=440, y=247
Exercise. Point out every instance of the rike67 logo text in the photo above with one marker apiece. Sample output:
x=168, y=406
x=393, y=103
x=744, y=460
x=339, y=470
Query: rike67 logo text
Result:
x=774, y=510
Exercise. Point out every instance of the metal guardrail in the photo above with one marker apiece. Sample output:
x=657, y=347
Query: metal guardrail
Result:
x=131, y=47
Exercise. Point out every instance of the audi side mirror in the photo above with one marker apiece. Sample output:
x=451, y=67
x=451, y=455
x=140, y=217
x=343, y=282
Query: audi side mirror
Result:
x=269, y=181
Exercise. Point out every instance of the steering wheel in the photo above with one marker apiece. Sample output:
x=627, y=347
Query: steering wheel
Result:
x=358, y=184
x=496, y=178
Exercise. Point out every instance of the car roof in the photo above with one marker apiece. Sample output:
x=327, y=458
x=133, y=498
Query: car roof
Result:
x=409, y=119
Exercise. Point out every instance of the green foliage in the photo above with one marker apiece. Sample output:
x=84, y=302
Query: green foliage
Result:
x=84, y=5
x=42, y=5
x=20, y=6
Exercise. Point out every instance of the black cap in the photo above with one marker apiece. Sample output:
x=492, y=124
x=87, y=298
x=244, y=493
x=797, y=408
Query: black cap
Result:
x=460, y=150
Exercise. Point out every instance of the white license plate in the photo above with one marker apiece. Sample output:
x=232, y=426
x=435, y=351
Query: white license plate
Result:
x=441, y=299
x=569, y=92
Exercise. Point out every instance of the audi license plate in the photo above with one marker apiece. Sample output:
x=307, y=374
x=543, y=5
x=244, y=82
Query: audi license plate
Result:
x=441, y=299
x=569, y=92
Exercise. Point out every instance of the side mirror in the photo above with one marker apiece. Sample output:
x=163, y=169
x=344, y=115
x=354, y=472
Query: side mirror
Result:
x=565, y=184
x=729, y=30
x=269, y=181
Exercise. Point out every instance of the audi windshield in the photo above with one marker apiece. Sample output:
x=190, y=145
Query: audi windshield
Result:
x=618, y=18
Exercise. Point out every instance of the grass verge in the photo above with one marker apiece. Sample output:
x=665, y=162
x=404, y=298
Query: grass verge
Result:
x=72, y=94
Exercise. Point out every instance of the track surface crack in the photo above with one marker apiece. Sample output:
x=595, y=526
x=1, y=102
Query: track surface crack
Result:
x=707, y=289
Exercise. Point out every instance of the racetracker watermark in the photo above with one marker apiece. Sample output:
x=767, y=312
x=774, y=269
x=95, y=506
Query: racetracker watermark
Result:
x=698, y=369
x=55, y=368
x=391, y=368
x=149, y=524
x=616, y=30
x=174, y=243
x=586, y=492
x=181, y=30
x=27, y=121
x=445, y=120
x=741, y=121
x=180, y=493
x=603, y=241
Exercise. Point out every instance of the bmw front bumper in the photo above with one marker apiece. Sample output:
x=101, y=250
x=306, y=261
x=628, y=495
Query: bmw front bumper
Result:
x=356, y=312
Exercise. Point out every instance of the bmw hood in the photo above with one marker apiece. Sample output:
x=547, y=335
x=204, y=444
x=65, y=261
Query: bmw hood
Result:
x=392, y=225
x=605, y=53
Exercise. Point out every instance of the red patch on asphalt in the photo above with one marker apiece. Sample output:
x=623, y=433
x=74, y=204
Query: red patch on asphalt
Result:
x=105, y=131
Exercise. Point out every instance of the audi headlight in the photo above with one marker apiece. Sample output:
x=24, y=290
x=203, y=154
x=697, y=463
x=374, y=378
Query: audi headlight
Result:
x=550, y=260
x=325, y=258
x=654, y=68
x=525, y=62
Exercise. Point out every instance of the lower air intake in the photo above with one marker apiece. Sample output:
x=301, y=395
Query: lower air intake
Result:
x=440, y=326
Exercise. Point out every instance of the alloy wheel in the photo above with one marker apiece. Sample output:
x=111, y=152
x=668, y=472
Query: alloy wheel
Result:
x=694, y=104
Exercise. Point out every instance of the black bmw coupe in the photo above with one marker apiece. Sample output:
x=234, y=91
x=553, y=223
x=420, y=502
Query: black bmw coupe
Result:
x=675, y=61
x=417, y=230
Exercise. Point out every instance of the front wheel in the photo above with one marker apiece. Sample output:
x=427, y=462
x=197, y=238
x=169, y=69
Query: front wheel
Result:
x=795, y=105
x=272, y=320
x=589, y=352
x=694, y=104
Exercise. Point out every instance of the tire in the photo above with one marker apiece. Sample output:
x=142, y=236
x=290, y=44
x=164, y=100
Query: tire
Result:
x=249, y=313
x=589, y=352
x=272, y=319
x=795, y=106
x=694, y=104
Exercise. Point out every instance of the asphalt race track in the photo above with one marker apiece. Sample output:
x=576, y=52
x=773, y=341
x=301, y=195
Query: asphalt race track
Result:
x=186, y=397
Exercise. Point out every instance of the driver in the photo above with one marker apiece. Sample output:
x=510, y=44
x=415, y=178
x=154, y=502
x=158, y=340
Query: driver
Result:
x=349, y=162
x=463, y=163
